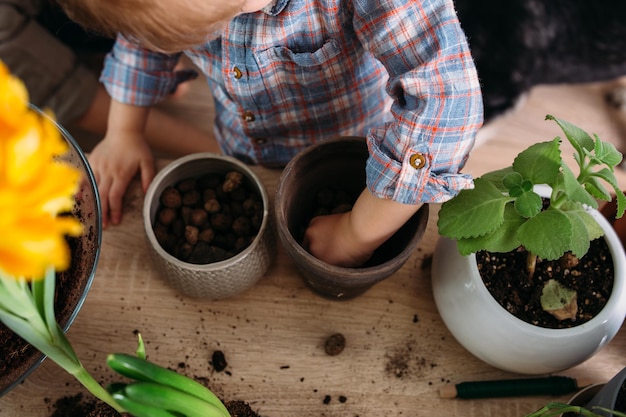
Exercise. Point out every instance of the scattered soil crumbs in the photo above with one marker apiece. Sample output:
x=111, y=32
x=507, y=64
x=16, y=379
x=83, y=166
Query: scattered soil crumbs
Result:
x=592, y=278
x=404, y=363
x=78, y=406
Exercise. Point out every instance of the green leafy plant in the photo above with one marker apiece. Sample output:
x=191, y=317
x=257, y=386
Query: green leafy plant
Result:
x=37, y=193
x=504, y=211
x=555, y=409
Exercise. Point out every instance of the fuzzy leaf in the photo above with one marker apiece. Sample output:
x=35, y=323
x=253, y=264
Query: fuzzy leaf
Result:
x=497, y=178
x=574, y=190
x=474, y=212
x=548, y=234
x=540, y=162
x=579, y=244
x=512, y=179
x=559, y=300
x=607, y=153
x=595, y=187
x=528, y=204
x=608, y=176
x=503, y=239
x=579, y=139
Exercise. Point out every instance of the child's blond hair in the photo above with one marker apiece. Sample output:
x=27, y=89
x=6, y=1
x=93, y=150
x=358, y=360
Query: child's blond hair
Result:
x=149, y=22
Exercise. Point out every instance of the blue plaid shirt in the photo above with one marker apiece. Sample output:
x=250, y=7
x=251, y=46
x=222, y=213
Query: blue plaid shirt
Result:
x=396, y=71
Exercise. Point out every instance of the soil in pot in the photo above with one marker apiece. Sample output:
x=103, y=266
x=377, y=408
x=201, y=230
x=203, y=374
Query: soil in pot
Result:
x=78, y=406
x=210, y=218
x=16, y=355
x=505, y=277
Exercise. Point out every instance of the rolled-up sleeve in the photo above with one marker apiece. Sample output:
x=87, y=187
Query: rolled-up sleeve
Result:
x=437, y=104
x=140, y=77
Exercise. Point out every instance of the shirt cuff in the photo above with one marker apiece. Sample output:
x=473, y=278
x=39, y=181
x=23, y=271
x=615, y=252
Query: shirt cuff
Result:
x=414, y=179
x=137, y=86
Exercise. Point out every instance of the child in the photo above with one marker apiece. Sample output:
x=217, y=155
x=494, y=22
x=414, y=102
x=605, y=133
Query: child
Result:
x=288, y=73
x=42, y=47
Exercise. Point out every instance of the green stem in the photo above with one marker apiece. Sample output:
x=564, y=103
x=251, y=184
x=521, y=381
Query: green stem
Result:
x=96, y=389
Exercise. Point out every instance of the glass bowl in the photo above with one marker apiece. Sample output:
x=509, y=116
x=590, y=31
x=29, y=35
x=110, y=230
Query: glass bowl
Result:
x=72, y=284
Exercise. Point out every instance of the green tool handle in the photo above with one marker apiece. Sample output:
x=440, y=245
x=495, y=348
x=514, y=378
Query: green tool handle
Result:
x=553, y=385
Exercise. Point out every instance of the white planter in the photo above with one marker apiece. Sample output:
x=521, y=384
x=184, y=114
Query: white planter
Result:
x=497, y=337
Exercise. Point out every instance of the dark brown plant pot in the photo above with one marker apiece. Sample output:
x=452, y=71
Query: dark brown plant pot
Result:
x=609, y=210
x=18, y=358
x=337, y=164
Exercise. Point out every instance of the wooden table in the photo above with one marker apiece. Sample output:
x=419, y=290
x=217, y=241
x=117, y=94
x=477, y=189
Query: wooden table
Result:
x=398, y=354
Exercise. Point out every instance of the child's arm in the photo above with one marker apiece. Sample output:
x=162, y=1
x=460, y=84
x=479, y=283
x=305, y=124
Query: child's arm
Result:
x=349, y=239
x=119, y=156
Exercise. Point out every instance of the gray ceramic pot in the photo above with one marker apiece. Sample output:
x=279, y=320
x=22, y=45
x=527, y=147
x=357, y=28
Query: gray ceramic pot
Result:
x=215, y=280
x=338, y=164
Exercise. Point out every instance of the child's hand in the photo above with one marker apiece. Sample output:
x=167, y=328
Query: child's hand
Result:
x=115, y=161
x=330, y=239
x=350, y=239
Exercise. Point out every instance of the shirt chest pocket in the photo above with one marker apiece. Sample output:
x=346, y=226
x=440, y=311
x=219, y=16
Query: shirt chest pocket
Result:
x=311, y=73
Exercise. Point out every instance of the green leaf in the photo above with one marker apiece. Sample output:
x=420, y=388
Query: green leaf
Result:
x=607, y=153
x=609, y=177
x=595, y=187
x=540, y=162
x=559, y=300
x=576, y=191
x=579, y=139
x=497, y=178
x=503, y=239
x=579, y=244
x=548, y=234
x=528, y=204
x=171, y=399
x=512, y=179
x=473, y=212
x=141, y=347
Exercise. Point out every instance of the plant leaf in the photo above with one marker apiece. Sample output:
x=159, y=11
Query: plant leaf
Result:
x=559, y=300
x=579, y=139
x=512, y=179
x=540, y=162
x=580, y=241
x=503, y=239
x=576, y=191
x=548, y=234
x=608, y=176
x=607, y=153
x=528, y=204
x=474, y=212
x=497, y=178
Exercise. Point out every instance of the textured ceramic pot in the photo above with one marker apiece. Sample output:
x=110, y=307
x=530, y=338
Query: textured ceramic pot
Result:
x=495, y=336
x=339, y=164
x=73, y=284
x=216, y=280
x=606, y=396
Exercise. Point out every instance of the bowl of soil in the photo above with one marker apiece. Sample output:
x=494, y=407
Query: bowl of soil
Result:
x=18, y=358
x=327, y=178
x=207, y=224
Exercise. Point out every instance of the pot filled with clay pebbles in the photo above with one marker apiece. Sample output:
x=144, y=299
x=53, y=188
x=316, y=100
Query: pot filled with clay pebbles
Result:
x=207, y=223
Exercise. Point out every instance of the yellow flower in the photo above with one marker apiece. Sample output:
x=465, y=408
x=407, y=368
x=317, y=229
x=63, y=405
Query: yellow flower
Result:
x=35, y=187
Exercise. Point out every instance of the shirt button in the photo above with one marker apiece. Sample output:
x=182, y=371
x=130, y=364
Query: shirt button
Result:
x=260, y=141
x=237, y=73
x=248, y=116
x=417, y=161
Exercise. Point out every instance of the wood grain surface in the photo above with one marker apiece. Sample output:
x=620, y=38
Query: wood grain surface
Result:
x=398, y=352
